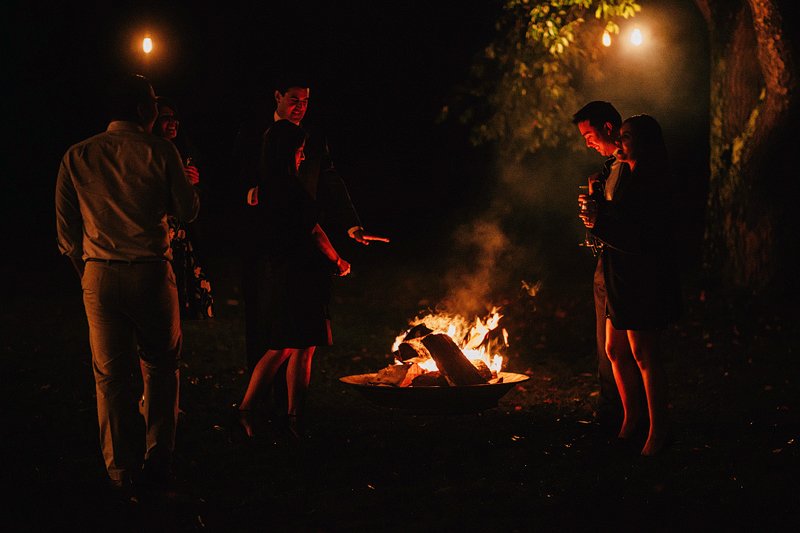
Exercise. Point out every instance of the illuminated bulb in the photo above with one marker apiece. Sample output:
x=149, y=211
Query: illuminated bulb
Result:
x=147, y=45
x=636, y=37
x=606, y=39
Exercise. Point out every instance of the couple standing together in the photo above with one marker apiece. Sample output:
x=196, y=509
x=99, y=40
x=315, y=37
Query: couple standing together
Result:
x=629, y=213
x=290, y=187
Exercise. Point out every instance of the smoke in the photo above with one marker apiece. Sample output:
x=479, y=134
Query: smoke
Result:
x=481, y=245
x=529, y=231
x=526, y=236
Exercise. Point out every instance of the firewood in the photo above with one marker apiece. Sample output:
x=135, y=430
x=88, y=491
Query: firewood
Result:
x=451, y=361
x=430, y=379
x=413, y=349
x=420, y=330
x=397, y=375
x=483, y=369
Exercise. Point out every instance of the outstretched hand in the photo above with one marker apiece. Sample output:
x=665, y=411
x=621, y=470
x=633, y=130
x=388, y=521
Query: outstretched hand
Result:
x=365, y=238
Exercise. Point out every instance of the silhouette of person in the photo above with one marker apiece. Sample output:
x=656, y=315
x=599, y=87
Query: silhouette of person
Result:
x=113, y=194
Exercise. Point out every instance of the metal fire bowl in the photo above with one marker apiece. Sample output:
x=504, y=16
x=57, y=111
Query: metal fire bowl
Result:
x=435, y=400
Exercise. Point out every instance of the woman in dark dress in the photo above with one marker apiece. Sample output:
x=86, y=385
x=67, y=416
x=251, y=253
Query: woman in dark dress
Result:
x=300, y=263
x=641, y=277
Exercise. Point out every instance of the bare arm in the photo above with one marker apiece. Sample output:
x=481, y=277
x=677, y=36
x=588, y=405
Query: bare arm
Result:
x=325, y=246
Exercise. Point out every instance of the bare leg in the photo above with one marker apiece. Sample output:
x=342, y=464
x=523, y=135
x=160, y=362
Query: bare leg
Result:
x=298, y=377
x=263, y=373
x=626, y=374
x=646, y=350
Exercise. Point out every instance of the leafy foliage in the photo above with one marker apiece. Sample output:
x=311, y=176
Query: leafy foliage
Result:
x=523, y=89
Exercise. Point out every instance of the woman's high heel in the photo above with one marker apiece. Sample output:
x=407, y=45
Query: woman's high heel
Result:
x=247, y=419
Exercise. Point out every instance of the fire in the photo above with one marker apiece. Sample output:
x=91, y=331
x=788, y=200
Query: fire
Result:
x=475, y=339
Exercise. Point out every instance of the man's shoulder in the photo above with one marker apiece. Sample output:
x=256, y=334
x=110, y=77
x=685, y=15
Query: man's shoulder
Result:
x=94, y=139
x=317, y=140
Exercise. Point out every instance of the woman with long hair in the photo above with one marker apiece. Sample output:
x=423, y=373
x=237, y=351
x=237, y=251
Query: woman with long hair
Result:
x=635, y=227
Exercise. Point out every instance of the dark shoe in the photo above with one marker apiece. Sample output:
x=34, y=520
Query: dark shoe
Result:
x=665, y=444
x=156, y=475
x=297, y=428
x=625, y=447
x=247, y=421
x=609, y=420
x=124, y=491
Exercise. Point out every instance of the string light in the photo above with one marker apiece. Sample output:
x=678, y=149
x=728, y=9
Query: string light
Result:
x=636, y=37
x=606, y=39
x=147, y=45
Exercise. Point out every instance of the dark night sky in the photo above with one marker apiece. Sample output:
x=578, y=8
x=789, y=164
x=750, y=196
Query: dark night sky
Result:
x=381, y=72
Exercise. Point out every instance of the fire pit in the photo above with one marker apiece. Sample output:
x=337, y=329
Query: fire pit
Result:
x=434, y=373
x=436, y=399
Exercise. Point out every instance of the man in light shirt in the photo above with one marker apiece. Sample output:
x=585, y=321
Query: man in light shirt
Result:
x=113, y=194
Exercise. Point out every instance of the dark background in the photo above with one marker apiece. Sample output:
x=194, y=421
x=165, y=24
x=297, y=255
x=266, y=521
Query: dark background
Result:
x=380, y=74
x=382, y=71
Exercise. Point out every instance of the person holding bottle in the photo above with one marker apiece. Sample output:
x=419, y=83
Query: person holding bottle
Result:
x=194, y=289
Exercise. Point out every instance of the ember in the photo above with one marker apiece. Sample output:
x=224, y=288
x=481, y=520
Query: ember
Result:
x=446, y=350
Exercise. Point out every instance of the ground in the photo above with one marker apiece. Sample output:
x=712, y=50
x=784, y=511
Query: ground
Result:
x=538, y=461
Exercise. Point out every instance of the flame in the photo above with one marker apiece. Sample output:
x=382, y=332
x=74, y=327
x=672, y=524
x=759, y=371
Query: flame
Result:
x=429, y=365
x=471, y=337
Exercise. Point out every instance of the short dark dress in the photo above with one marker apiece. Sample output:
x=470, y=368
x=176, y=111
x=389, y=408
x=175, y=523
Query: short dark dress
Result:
x=296, y=278
x=639, y=247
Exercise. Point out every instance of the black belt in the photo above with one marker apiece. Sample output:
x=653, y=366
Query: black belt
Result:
x=125, y=261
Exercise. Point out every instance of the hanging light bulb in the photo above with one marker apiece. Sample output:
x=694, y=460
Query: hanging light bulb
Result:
x=147, y=45
x=606, y=38
x=636, y=37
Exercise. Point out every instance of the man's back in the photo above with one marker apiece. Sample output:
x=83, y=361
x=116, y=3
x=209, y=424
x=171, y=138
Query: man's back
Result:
x=121, y=184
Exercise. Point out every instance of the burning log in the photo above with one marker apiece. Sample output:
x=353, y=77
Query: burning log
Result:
x=412, y=350
x=418, y=331
x=430, y=379
x=398, y=375
x=451, y=361
x=483, y=370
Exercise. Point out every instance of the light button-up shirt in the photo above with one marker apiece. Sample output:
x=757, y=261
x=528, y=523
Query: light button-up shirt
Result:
x=113, y=194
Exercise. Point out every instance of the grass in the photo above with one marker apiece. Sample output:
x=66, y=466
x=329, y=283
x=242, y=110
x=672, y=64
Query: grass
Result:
x=536, y=462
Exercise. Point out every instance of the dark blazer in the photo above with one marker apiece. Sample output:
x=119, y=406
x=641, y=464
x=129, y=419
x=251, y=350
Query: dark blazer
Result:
x=639, y=250
x=317, y=174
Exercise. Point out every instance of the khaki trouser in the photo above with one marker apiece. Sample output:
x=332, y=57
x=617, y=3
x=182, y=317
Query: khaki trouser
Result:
x=134, y=322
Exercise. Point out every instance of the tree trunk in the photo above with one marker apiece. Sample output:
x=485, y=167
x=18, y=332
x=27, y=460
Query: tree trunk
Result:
x=753, y=100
